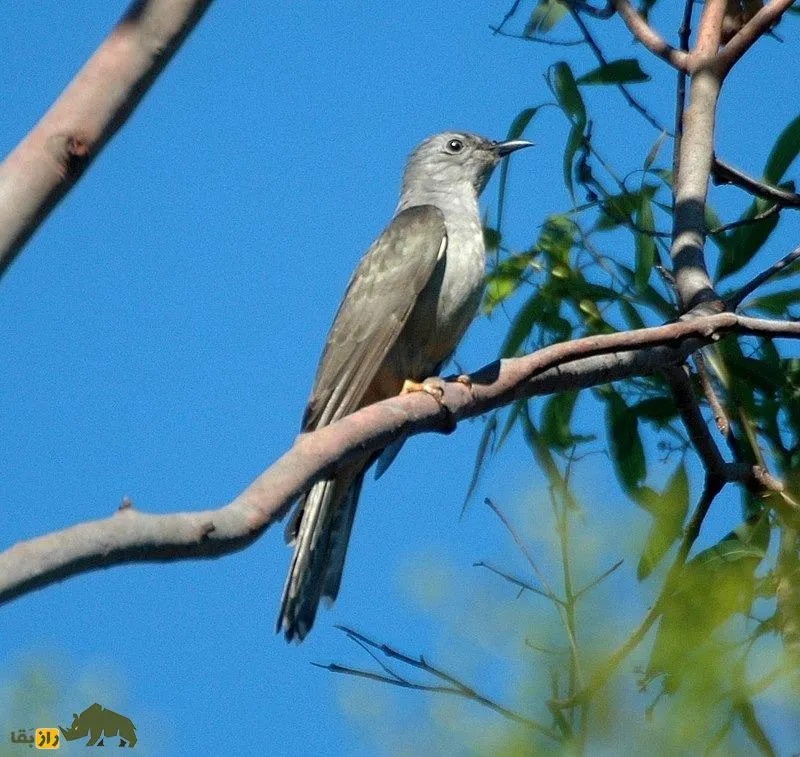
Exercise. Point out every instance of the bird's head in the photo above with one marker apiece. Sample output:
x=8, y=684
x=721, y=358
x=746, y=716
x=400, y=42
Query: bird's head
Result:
x=451, y=160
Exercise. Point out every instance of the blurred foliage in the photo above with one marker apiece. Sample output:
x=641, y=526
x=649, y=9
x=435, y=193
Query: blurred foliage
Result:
x=721, y=641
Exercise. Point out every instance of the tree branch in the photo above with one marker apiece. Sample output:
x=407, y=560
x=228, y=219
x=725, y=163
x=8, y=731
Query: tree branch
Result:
x=649, y=37
x=54, y=155
x=746, y=37
x=725, y=173
x=574, y=9
x=734, y=300
x=131, y=536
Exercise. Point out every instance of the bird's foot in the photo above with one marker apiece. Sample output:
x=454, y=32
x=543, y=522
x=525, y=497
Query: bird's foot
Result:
x=466, y=380
x=433, y=386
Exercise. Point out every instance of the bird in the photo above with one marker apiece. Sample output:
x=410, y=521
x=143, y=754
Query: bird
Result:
x=406, y=307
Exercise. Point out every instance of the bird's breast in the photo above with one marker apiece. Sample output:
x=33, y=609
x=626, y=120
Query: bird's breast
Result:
x=446, y=305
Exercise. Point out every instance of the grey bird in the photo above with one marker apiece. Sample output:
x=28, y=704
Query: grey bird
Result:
x=407, y=305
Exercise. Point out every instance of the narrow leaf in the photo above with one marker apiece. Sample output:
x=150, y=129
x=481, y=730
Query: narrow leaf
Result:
x=524, y=321
x=557, y=418
x=627, y=452
x=645, y=243
x=485, y=449
x=673, y=506
x=624, y=71
x=520, y=123
x=785, y=150
x=776, y=304
x=744, y=242
x=566, y=91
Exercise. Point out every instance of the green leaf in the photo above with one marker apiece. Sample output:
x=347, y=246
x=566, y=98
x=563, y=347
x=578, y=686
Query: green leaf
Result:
x=630, y=314
x=719, y=238
x=485, y=449
x=624, y=71
x=505, y=279
x=627, y=452
x=659, y=410
x=574, y=142
x=650, y=295
x=556, y=239
x=776, y=304
x=654, y=150
x=745, y=241
x=566, y=91
x=556, y=420
x=511, y=421
x=668, y=525
x=785, y=150
x=544, y=17
x=531, y=312
x=564, y=87
x=712, y=587
x=520, y=123
x=619, y=209
x=491, y=238
x=645, y=243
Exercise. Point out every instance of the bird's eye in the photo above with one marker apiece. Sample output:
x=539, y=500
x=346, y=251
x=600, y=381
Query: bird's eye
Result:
x=455, y=145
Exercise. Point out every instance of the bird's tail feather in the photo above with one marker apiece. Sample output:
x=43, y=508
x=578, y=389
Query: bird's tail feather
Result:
x=340, y=539
x=320, y=532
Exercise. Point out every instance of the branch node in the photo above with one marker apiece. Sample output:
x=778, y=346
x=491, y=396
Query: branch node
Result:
x=71, y=153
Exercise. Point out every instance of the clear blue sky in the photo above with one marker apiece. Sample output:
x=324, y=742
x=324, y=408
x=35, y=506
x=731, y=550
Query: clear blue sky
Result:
x=160, y=333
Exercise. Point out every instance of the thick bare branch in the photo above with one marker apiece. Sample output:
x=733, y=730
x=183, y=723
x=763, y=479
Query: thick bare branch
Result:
x=130, y=536
x=692, y=281
x=709, y=33
x=755, y=28
x=648, y=36
x=54, y=155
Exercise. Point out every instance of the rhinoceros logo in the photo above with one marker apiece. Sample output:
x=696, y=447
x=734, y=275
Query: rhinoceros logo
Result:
x=97, y=721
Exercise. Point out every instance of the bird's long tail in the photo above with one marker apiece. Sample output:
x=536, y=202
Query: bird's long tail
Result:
x=320, y=531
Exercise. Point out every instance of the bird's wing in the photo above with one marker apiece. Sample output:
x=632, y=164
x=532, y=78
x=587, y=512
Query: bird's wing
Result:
x=379, y=298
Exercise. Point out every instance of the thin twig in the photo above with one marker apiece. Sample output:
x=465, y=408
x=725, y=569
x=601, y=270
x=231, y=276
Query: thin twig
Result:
x=595, y=581
x=787, y=260
x=603, y=674
x=521, y=544
x=576, y=680
x=590, y=10
x=689, y=410
x=454, y=685
x=773, y=210
x=601, y=59
x=509, y=13
x=709, y=392
x=523, y=585
x=536, y=38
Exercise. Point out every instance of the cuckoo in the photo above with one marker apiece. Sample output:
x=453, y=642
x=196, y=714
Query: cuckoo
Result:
x=409, y=302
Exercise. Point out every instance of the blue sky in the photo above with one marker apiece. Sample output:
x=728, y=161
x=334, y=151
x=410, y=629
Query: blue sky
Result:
x=161, y=331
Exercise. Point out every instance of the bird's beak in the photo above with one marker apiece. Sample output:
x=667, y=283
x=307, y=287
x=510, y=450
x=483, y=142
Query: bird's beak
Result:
x=502, y=149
